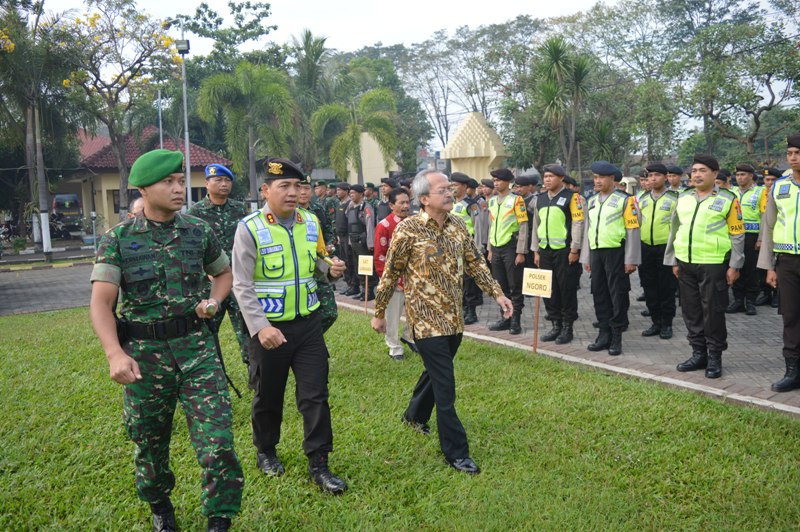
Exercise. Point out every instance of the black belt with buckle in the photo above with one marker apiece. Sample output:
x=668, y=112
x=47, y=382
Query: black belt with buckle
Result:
x=164, y=330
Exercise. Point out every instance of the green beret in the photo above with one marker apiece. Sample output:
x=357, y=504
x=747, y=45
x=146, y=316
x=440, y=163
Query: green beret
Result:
x=154, y=166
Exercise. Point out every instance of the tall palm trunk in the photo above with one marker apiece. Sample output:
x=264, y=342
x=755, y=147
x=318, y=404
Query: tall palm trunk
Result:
x=251, y=159
x=44, y=192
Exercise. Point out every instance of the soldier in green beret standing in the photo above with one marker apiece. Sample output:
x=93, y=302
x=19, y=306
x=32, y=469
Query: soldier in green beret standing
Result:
x=159, y=259
x=223, y=214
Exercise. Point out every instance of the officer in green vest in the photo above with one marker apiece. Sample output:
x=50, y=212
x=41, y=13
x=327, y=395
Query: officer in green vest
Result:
x=656, y=207
x=674, y=176
x=780, y=256
x=277, y=253
x=611, y=251
x=768, y=295
x=705, y=250
x=751, y=198
x=467, y=209
x=556, y=236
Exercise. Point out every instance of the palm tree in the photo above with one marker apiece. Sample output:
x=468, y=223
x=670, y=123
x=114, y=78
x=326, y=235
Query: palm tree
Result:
x=257, y=109
x=375, y=113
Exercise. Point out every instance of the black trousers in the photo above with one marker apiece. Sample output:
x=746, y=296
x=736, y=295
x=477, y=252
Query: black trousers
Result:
x=659, y=284
x=306, y=354
x=437, y=386
x=788, y=270
x=747, y=285
x=563, y=301
x=359, y=246
x=704, y=296
x=346, y=254
x=472, y=294
x=610, y=287
x=507, y=274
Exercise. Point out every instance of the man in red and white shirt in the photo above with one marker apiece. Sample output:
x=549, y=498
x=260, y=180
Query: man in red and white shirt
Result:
x=399, y=203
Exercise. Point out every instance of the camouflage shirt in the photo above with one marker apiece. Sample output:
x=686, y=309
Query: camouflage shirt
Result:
x=160, y=266
x=223, y=219
x=318, y=208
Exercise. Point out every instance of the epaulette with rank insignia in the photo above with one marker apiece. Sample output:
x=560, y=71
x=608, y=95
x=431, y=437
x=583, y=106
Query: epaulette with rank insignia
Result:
x=726, y=192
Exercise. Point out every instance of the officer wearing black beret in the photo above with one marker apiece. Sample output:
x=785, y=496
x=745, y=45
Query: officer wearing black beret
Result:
x=382, y=209
x=674, y=176
x=467, y=210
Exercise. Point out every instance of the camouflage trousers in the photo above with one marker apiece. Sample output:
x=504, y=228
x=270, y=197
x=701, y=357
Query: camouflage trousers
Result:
x=327, y=304
x=183, y=369
x=231, y=307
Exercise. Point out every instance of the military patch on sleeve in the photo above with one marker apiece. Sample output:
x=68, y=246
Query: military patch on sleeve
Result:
x=717, y=205
x=264, y=236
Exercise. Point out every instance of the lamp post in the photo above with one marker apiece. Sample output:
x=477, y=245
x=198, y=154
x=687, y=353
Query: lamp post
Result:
x=183, y=49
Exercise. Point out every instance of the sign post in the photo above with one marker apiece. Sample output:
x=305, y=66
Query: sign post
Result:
x=537, y=283
x=365, y=268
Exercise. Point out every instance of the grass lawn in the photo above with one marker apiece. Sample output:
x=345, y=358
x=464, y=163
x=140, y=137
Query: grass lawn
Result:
x=561, y=447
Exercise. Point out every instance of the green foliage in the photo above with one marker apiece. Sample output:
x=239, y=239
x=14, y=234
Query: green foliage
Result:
x=561, y=447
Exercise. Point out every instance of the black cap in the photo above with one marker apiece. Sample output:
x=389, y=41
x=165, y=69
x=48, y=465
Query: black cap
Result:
x=472, y=183
x=370, y=186
x=278, y=168
x=526, y=180
x=458, y=177
x=389, y=181
x=724, y=174
x=793, y=141
x=555, y=169
x=343, y=186
x=675, y=170
x=503, y=174
x=603, y=168
x=570, y=181
x=773, y=171
x=745, y=168
x=707, y=160
x=357, y=188
x=657, y=168
x=487, y=183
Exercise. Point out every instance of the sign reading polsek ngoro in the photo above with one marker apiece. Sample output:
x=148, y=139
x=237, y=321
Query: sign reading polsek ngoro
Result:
x=537, y=282
x=365, y=264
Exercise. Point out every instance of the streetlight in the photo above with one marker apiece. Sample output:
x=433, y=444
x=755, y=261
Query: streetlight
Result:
x=183, y=49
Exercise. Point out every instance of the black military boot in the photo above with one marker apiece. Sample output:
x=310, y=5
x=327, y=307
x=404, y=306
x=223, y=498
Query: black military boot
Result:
x=470, y=316
x=322, y=476
x=699, y=360
x=218, y=524
x=762, y=299
x=270, y=464
x=791, y=380
x=515, y=327
x=553, y=333
x=163, y=516
x=502, y=324
x=602, y=341
x=566, y=334
x=737, y=305
x=351, y=291
x=615, y=347
x=666, y=330
x=359, y=296
x=714, y=369
x=750, y=308
x=653, y=330
x=371, y=293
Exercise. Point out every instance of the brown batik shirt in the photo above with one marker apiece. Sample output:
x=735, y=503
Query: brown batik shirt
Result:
x=432, y=261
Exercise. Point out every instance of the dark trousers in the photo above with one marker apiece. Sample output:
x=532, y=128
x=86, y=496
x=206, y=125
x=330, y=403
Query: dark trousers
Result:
x=610, y=287
x=306, y=354
x=659, y=284
x=346, y=254
x=788, y=270
x=472, y=294
x=704, y=296
x=747, y=285
x=437, y=386
x=507, y=274
x=359, y=246
x=563, y=301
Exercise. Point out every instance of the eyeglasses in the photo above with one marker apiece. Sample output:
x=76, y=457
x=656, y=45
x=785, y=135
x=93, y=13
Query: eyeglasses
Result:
x=220, y=179
x=441, y=192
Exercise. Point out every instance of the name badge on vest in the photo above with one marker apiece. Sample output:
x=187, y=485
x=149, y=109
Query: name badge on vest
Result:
x=783, y=191
x=753, y=201
x=311, y=231
x=264, y=236
x=667, y=205
x=561, y=202
x=718, y=204
x=644, y=202
x=271, y=249
x=613, y=201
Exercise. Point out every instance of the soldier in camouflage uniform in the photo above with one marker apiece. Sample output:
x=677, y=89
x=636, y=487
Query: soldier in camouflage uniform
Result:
x=223, y=214
x=331, y=202
x=159, y=260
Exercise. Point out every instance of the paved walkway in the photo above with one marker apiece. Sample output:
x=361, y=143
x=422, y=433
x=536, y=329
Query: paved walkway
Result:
x=750, y=365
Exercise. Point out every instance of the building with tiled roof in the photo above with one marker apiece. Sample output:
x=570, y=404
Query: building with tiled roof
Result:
x=98, y=184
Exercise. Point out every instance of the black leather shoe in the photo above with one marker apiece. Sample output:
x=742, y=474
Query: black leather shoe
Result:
x=465, y=465
x=351, y=291
x=359, y=296
x=553, y=333
x=218, y=524
x=470, y=316
x=762, y=299
x=615, y=347
x=645, y=313
x=602, y=341
x=269, y=464
x=515, y=327
x=163, y=516
x=699, y=360
x=411, y=345
x=750, y=308
x=566, y=335
x=422, y=428
x=500, y=325
x=666, y=332
x=714, y=369
x=737, y=305
x=319, y=473
x=653, y=330
x=791, y=379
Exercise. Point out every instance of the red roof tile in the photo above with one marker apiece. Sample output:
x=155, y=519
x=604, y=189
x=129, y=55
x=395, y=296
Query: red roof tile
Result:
x=104, y=159
x=91, y=144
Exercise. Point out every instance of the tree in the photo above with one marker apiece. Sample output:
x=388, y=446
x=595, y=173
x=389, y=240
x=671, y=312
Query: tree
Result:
x=120, y=47
x=258, y=112
x=374, y=113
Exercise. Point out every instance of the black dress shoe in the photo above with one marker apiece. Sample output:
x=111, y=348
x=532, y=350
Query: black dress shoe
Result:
x=500, y=325
x=411, y=345
x=359, y=295
x=762, y=299
x=465, y=465
x=218, y=524
x=737, y=305
x=422, y=428
x=163, y=516
x=269, y=464
x=698, y=360
x=653, y=330
x=320, y=474
x=750, y=308
x=351, y=291
x=602, y=341
x=666, y=332
x=470, y=316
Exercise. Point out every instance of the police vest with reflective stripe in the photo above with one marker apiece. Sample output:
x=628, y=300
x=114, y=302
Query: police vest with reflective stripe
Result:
x=702, y=236
x=284, y=270
x=504, y=220
x=555, y=219
x=656, y=216
x=751, y=214
x=606, y=220
x=786, y=194
x=461, y=209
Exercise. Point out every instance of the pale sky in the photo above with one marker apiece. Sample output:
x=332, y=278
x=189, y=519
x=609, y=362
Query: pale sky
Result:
x=352, y=24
